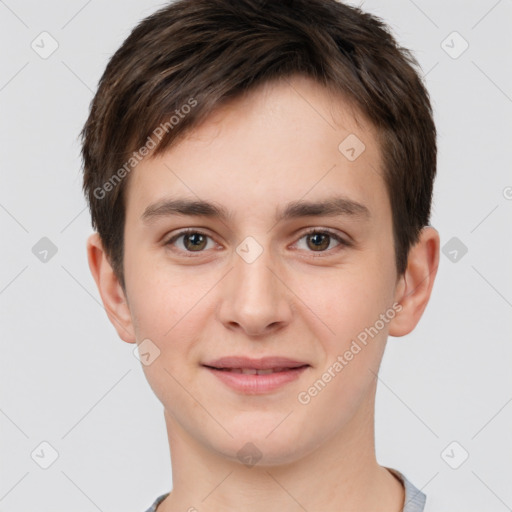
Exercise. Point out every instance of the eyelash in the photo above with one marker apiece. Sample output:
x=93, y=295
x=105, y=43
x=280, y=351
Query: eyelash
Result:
x=342, y=242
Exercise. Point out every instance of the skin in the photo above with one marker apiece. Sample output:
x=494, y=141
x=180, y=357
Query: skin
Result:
x=277, y=144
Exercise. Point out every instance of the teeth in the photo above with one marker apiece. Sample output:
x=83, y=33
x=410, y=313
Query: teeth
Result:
x=266, y=372
x=254, y=371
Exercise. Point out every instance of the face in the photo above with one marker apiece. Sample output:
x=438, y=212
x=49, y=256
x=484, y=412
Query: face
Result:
x=300, y=266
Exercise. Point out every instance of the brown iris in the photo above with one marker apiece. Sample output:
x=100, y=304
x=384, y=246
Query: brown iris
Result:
x=198, y=241
x=319, y=240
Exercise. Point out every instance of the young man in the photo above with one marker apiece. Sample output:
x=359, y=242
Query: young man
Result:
x=260, y=178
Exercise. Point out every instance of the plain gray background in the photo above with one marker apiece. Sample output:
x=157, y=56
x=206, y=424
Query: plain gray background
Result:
x=68, y=380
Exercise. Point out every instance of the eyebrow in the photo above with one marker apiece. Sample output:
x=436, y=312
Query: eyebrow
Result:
x=329, y=207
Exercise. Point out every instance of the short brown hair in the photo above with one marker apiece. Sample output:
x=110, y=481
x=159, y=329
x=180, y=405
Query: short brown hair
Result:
x=210, y=51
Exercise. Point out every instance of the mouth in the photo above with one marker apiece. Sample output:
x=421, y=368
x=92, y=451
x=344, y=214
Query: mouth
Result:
x=254, y=371
x=256, y=376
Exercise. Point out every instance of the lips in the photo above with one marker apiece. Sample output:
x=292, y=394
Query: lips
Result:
x=256, y=376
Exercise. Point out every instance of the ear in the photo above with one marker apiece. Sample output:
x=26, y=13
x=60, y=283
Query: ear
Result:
x=111, y=292
x=415, y=285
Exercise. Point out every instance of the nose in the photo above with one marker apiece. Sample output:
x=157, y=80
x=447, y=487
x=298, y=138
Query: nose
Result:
x=255, y=299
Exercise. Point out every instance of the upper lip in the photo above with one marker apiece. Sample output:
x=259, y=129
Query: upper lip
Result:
x=263, y=363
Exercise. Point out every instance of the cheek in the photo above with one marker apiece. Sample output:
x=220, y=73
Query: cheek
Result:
x=350, y=300
x=351, y=360
x=159, y=296
x=356, y=339
x=168, y=308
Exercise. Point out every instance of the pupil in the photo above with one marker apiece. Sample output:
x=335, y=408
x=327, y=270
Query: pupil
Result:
x=196, y=239
x=315, y=238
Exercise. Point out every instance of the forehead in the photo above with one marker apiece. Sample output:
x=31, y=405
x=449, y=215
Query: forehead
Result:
x=281, y=142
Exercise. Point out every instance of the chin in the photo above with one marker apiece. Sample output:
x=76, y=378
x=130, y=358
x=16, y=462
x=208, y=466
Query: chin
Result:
x=256, y=448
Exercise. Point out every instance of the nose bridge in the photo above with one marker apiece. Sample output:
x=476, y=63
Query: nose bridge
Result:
x=254, y=279
x=255, y=299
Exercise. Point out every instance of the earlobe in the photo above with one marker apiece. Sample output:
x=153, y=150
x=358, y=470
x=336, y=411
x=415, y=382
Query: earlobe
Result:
x=111, y=292
x=415, y=286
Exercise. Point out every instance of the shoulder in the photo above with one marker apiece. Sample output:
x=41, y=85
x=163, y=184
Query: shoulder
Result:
x=157, y=502
x=414, y=498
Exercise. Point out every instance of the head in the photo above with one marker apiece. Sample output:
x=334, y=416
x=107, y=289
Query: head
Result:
x=240, y=112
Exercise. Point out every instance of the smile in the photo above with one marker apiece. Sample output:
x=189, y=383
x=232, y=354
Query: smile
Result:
x=254, y=381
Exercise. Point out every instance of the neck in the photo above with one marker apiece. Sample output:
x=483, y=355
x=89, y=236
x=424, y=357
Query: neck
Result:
x=340, y=473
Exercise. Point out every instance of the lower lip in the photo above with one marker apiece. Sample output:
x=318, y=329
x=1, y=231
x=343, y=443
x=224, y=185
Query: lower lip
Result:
x=257, y=384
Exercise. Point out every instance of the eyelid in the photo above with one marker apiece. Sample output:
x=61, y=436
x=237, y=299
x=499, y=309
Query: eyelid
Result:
x=334, y=234
x=343, y=242
x=183, y=232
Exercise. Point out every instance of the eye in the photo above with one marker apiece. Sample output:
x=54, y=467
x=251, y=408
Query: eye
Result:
x=193, y=240
x=319, y=240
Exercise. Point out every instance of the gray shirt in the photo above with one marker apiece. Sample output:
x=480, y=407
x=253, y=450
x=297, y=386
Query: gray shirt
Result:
x=414, y=498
